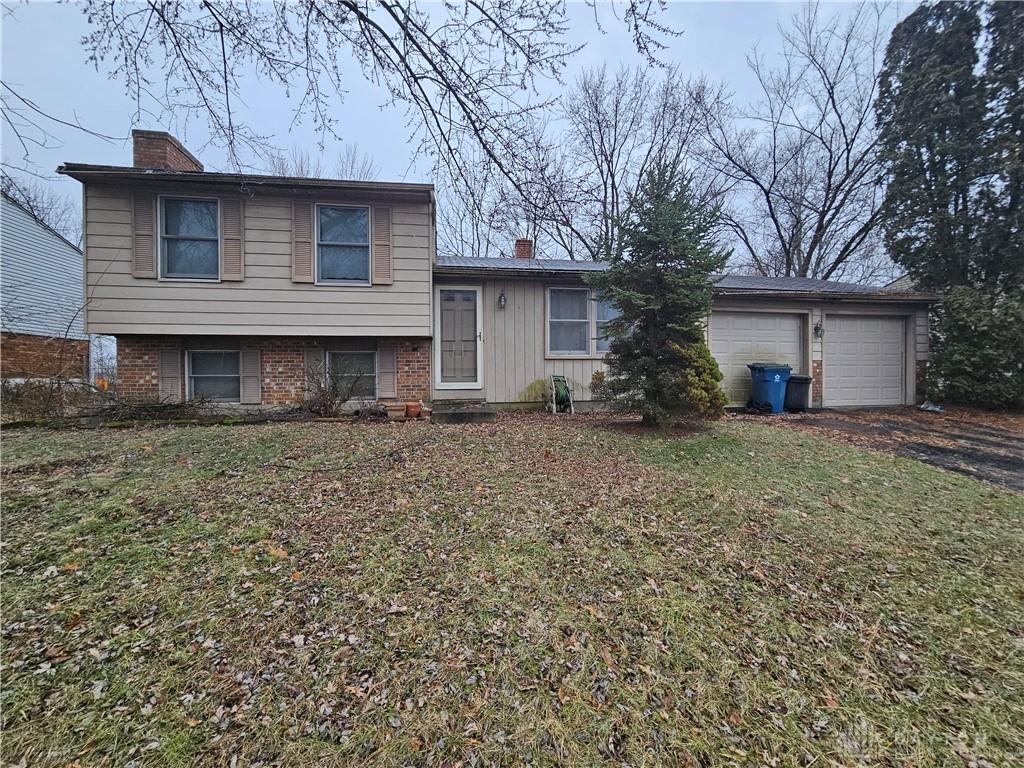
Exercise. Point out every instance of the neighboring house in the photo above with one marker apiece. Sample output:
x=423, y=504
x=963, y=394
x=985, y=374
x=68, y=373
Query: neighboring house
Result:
x=42, y=294
x=234, y=286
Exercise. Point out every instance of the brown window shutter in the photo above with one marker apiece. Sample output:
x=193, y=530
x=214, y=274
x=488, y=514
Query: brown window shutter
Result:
x=232, y=266
x=387, y=373
x=383, y=266
x=170, y=375
x=143, y=235
x=314, y=362
x=249, y=368
x=302, y=242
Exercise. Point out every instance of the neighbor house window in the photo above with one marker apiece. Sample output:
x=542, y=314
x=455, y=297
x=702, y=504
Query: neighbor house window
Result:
x=189, y=241
x=606, y=312
x=214, y=376
x=568, y=321
x=354, y=374
x=343, y=244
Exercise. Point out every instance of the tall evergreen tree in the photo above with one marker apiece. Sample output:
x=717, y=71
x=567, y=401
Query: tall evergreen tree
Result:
x=931, y=116
x=950, y=142
x=661, y=285
x=951, y=115
x=1003, y=198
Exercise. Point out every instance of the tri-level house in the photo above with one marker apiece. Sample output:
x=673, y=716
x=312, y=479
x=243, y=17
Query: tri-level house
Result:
x=233, y=287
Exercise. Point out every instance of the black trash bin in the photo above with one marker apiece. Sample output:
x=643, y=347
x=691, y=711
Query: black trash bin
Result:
x=798, y=389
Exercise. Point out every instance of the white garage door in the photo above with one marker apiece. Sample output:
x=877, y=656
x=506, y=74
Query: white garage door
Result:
x=863, y=360
x=738, y=338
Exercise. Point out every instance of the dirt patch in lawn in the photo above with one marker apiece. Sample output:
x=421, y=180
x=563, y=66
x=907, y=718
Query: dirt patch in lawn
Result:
x=979, y=444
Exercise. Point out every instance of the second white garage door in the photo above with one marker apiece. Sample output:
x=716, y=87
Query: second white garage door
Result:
x=738, y=338
x=864, y=358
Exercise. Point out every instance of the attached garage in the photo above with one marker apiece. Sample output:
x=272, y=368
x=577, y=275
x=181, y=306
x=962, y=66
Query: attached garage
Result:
x=864, y=360
x=738, y=338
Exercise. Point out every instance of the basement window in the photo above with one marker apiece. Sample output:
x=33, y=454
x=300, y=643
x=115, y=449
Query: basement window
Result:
x=353, y=374
x=214, y=375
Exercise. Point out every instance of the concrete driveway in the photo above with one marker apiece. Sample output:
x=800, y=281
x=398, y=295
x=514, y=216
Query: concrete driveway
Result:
x=986, y=446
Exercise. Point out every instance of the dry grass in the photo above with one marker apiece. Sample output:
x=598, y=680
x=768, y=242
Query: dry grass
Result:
x=537, y=591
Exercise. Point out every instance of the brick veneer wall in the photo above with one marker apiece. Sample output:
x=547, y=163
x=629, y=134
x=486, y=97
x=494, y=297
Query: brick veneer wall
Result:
x=138, y=364
x=282, y=364
x=414, y=370
x=816, y=369
x=25, y=356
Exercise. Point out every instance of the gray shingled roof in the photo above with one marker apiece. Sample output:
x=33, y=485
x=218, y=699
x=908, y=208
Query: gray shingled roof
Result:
x=724, y=283
x=529, y=265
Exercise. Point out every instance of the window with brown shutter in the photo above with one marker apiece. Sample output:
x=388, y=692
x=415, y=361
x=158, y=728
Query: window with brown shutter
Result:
x=232, y=266
x=302, y=242
x=143, y=235
x=383, y=266
x=170, y=375
x=387, y=373
x=251, y=386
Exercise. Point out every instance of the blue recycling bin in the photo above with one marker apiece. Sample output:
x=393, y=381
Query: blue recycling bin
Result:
x=768, y=390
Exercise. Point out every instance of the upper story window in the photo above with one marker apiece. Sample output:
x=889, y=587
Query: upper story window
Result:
x=343, y=244
x=189, y=238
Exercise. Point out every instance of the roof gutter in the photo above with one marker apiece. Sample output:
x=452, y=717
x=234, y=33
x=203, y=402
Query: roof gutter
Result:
x=895, y=297
x=83, y=172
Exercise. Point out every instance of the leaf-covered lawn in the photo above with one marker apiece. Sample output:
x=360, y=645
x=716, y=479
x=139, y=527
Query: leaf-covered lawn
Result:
x=535, y=592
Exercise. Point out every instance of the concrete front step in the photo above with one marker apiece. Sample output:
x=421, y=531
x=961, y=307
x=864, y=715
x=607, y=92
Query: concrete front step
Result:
x=463, y=412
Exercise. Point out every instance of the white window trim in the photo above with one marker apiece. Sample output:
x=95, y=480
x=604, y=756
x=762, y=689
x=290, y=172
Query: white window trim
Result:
x=369, y=245
x=188, y=371
x=479, y=383
x=376, y=369
x=592, y=353
x=160, y=240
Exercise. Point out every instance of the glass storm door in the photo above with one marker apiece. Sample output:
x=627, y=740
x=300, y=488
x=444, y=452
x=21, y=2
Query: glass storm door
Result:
x=459, y=337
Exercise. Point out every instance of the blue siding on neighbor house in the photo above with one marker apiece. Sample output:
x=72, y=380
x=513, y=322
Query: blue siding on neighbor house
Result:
x=41, y=277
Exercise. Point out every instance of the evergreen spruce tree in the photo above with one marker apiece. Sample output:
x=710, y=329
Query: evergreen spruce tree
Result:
x=659, y=363
x=951, y=140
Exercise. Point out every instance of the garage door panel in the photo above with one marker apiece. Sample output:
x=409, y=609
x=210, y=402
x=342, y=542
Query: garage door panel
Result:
x=739, y=338
x=863, y=360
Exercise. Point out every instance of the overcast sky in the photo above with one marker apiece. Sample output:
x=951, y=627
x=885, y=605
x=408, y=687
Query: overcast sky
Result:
x=43, y=57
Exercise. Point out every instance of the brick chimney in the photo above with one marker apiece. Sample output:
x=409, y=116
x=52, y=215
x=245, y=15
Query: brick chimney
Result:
x=524, y=248
x=160, y=150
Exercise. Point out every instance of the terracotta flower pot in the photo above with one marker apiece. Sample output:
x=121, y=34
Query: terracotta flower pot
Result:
x=413, y=408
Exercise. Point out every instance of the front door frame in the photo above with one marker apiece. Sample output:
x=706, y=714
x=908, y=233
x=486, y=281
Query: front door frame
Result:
x=479, y=383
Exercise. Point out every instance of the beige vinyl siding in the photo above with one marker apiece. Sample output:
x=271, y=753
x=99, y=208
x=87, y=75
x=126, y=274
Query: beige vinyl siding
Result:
x=266, y=301
x=514, y=365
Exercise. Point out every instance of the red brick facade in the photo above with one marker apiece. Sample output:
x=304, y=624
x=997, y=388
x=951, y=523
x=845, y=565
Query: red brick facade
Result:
x=138, y=361
x=156, y=149
x=414, y=370
x=25, y=356
x=282, y=365
x=816, y=370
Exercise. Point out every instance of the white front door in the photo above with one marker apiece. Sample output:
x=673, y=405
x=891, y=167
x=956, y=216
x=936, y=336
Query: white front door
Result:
x=458, y=338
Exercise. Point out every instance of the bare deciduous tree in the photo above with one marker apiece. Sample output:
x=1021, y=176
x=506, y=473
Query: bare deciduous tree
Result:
x=580, y=168
x=351, y=164
x=800, y=164
x=356, y=165
x=464, y=72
